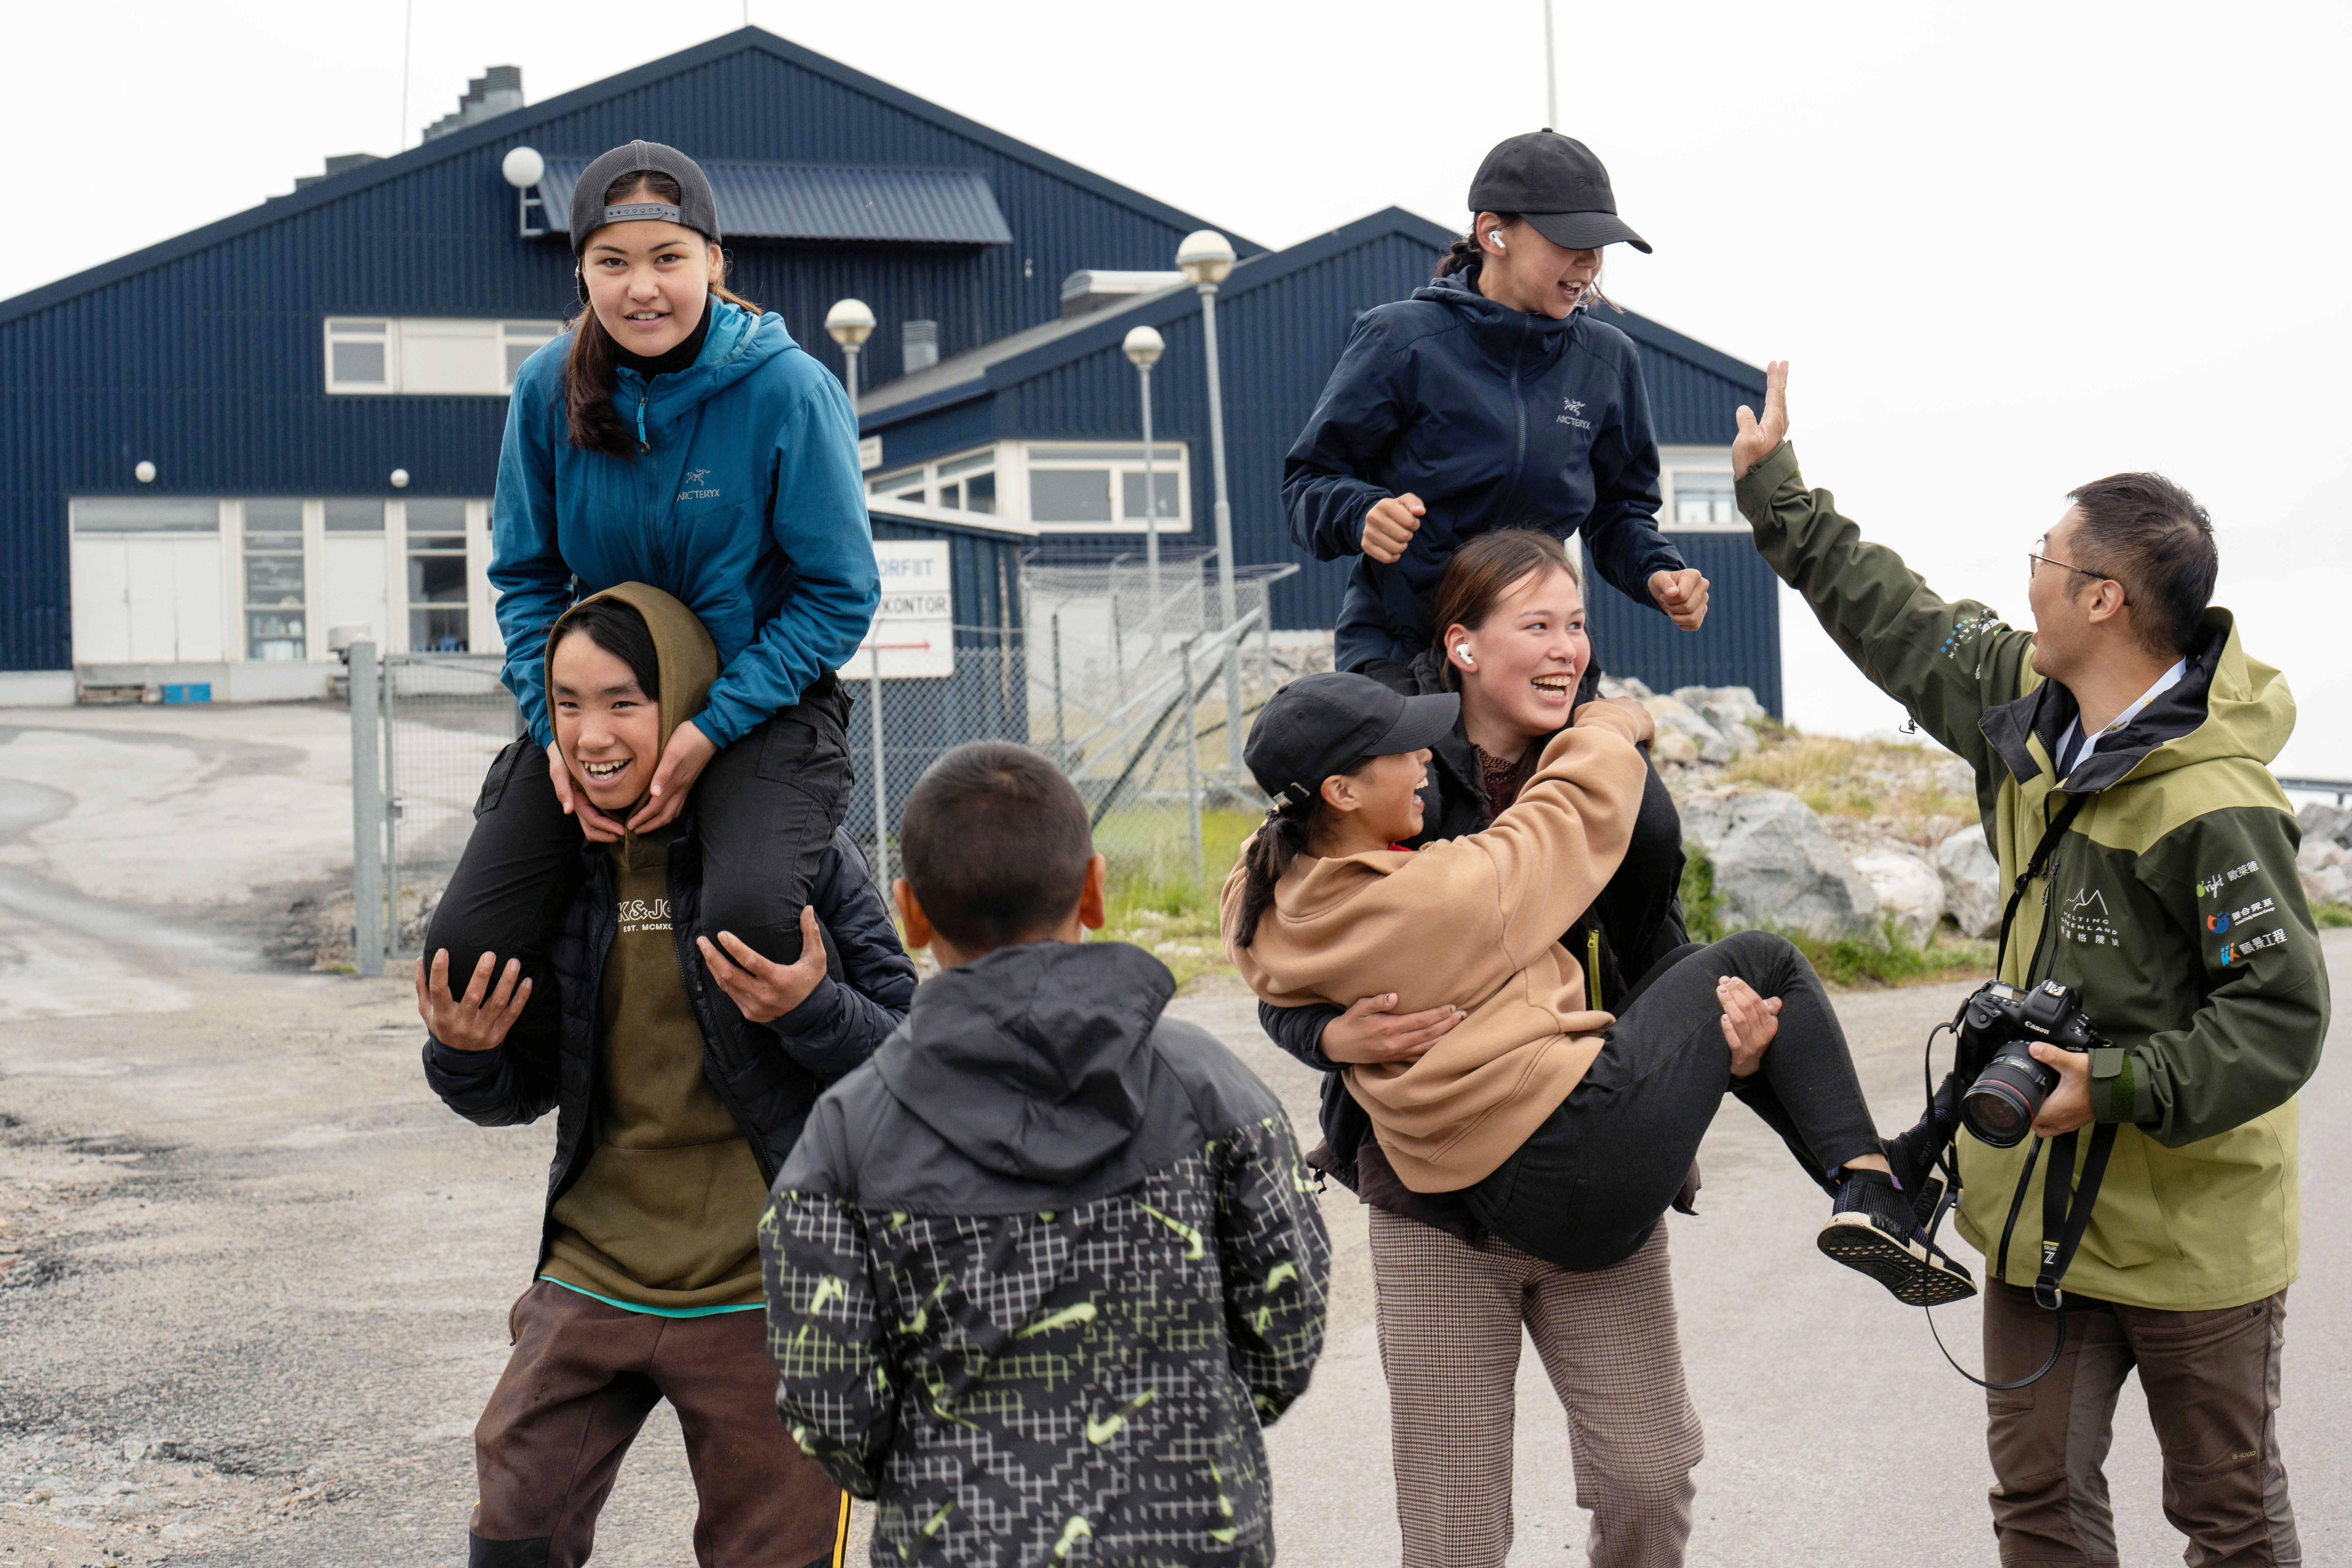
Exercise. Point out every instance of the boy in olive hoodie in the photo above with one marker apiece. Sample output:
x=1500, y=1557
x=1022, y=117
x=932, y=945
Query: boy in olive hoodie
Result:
x=2131, y=735
x=681, y=1065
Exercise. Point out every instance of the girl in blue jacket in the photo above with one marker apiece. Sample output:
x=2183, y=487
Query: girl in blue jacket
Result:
x=678, y=437
x=1490, y=399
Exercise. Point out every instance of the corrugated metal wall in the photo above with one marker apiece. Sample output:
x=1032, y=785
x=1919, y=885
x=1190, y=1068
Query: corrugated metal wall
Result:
x=210, y=363
x=1739, y=646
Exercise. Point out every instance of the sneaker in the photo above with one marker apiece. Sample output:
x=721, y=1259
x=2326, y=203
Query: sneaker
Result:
x=1872, y=1228
x=1913, y=1157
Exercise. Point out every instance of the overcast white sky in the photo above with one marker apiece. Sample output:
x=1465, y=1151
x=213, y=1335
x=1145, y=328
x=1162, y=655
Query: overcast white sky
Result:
x=2008, y=247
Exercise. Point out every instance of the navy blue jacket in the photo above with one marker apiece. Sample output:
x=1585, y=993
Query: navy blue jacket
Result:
x=1495, y=418
x=769, y=1075
x=746, y=505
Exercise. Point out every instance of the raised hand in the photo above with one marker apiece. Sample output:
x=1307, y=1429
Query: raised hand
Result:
x=478, y=1021
x=763, y=989
x=1756, y=439
x=1682, y=595
x=1390, y=526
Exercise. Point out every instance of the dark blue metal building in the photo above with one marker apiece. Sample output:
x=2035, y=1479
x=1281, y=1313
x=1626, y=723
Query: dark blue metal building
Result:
x=214, y=450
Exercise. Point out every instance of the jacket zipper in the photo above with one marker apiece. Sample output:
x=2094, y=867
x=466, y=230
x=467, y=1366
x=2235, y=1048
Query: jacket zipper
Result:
x=1519, y=414
x=1593, y=967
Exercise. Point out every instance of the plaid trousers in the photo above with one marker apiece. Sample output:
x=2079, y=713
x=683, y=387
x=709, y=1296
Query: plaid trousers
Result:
x=1450, y=1318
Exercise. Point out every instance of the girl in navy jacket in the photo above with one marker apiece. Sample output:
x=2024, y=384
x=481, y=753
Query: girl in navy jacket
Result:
x=1492, y=398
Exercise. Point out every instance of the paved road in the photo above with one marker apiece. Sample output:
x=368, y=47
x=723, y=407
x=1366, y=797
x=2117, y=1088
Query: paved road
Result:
x=259, y=1276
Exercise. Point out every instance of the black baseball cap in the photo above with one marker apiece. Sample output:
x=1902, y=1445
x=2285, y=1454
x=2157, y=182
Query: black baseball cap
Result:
x=695, y=207
x=1556, y=184
x=1333, y=723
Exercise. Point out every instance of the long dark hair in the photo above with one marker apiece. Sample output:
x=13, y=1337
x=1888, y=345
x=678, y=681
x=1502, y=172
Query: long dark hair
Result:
x=589, y=368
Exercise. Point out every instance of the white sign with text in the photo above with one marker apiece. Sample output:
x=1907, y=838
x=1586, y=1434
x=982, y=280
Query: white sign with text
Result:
x=914, y=627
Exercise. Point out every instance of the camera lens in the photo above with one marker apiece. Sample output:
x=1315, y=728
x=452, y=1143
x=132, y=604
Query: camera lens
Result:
x=2000, y=1106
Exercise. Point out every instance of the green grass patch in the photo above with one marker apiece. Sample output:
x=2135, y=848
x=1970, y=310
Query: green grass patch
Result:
x=2331, y=915
x=1849, y=964
x=1157, y=903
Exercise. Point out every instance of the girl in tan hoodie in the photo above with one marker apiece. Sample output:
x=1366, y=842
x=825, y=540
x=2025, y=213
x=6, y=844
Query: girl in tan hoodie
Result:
x=1567, y=1131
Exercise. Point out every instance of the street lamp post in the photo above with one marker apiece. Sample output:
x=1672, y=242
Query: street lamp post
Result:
x=1206, y=258
x=850, y=324
x=1144, y=348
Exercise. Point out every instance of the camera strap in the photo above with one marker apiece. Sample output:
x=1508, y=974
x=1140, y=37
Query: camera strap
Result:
x=2033, y=867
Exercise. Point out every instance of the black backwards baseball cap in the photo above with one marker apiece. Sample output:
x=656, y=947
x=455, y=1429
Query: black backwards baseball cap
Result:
x=1552, y=180
x=695, y=207
x=1333, y=723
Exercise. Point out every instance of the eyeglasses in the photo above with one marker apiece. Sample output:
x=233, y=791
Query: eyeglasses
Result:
x=2032, y=559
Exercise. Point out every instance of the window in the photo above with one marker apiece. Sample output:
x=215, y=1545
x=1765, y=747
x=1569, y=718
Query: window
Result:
x=1077, y=489
x=430, y=355
x=349, y=516
x=436, y=576
x=146, y=514
x=902, y=484
x=969, y=484
x=359, y=356
x=1703, y=497
x=273, y=580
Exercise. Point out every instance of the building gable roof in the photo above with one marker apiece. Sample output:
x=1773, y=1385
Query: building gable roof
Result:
x=516, y=125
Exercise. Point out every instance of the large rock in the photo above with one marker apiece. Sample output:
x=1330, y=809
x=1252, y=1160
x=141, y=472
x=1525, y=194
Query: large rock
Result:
x=1973, y=890
x=1731, y=711
x=1625, y=685
x=1775, y=867
x=1673, y=746
x=2327, y=869
x=1674, y=716
x=2323, y=820
x=1909, y=887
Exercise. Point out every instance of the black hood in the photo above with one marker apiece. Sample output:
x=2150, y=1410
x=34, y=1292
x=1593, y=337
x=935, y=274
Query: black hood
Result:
x=1036, y=1062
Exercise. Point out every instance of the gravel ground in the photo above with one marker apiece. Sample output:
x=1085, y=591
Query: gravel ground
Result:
x=254, y=1279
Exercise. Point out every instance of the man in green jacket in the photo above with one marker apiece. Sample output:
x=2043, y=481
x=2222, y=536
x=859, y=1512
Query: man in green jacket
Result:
x=2170, y=902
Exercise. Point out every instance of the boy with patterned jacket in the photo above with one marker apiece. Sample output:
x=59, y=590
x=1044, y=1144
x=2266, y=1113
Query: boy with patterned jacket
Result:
x=1040, y=1270
x=2121, y=751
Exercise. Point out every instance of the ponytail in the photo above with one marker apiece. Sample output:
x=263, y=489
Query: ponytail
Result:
x=590, y=368
x=1464, y=254
x=1279, y=841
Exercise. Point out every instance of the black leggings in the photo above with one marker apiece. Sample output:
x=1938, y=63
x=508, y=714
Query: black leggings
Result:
x=765, y=809
x=1589, y=1185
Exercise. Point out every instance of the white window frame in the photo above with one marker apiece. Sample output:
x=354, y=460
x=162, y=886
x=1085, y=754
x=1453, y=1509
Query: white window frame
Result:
x=1691, y=459
x=1121, y=458
x=496, y=334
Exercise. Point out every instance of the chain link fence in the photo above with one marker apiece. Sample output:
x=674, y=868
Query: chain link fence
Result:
x=1131, y=681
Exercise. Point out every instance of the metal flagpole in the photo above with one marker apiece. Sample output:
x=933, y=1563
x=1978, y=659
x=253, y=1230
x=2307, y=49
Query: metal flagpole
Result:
x=1552, y=73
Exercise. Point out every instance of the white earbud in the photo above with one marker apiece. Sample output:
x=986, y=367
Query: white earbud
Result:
x=1463, y=650
x=1496, y=235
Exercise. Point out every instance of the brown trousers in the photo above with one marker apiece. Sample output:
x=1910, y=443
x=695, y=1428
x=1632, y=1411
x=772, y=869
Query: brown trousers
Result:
x=1451, y=1317
x=582, y=1381
x=2212, y=1385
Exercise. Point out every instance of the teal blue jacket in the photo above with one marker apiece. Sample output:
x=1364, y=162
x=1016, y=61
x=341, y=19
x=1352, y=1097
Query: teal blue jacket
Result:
x=746, y=502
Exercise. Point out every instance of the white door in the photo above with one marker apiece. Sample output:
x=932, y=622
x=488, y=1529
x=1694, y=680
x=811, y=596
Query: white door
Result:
x=355, y=583
x=154, y=611
x=195, y=566
x=101, y=600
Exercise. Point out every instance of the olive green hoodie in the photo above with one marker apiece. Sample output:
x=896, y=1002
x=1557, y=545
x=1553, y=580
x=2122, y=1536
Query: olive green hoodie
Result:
x=666, y=1214
x=2171, y=903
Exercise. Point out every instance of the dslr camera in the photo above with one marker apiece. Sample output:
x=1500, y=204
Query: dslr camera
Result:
x=1995, y=1029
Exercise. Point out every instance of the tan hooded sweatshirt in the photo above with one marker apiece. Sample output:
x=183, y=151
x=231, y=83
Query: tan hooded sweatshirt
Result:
x=1474, y=921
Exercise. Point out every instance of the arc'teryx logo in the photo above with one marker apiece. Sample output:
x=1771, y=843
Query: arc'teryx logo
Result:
x=1571, y=408
x=1571, y=405
x=695, y=475
x=694, y=491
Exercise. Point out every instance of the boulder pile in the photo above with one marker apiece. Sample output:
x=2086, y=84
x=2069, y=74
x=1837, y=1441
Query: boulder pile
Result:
x=2325, y=859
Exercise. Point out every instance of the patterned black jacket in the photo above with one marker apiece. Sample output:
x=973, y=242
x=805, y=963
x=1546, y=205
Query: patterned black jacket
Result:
x=1037, y=1273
